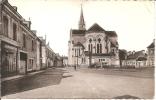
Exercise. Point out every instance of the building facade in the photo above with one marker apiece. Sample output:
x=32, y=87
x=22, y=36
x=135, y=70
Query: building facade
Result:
x=135, y=59
x=151, y=54
x=94, y=45
x=20, y=47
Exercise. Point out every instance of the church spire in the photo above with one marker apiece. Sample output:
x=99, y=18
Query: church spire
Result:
x=81, y=22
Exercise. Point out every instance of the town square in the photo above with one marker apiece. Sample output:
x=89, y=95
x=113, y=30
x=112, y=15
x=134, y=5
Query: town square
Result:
x=81, y=49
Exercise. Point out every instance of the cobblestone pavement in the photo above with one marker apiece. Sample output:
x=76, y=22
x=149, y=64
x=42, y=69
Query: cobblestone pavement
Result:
x=92, y=83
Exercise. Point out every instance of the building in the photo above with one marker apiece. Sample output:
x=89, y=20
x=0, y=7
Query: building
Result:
x=9, y=41
x=20, y=47
x=65, y=61
x=58, y=61
x=93, y=45
x=151, y=54
x=43, y=53
x=135, y=59
x=50, y=56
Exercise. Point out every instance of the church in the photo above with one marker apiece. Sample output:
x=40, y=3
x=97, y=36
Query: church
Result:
x=92, y=46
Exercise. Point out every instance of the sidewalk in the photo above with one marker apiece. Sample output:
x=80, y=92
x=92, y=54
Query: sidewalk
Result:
x=21, y=76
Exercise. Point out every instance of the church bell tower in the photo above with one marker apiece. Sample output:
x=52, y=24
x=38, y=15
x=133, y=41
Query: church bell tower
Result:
x=81, y=21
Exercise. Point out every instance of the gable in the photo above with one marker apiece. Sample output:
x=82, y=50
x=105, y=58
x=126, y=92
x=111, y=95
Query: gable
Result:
x=96, y=28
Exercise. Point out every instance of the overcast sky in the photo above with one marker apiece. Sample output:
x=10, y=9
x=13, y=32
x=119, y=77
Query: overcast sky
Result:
x=132, y=20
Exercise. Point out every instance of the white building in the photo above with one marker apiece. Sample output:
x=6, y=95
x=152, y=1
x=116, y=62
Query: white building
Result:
x=94, y=45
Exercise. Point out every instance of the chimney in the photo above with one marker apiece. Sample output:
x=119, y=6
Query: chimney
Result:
x=15, y=7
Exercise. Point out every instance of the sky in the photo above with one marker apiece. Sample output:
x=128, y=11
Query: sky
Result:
x=133, y=21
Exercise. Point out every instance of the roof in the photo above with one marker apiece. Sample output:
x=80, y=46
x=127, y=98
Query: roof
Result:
x=152, y=45
x=113, y=45
x=79, y=44
x=96, y=28
x=141, y=58
x=136, y=55
x=97, y=54
x=111, y=33
x=78, y=32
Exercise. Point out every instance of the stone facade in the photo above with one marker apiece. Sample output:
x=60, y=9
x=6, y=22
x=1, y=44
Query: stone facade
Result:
x=151, y=54
x=20, y=49
x=135, y=59
x=91, y=46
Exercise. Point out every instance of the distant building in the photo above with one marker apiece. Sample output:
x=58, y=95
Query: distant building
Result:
x=58, y=60
x=65, y=61
x=135, y=59
x=93, y=45
x=50, y=56
x=43, y=53
x=151, y=54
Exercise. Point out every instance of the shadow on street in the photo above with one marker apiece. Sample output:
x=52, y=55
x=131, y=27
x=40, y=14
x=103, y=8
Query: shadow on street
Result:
x=47, y=78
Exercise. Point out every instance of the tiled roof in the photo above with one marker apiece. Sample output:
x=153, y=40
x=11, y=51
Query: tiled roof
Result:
x=97, y=54
x=77, y=32
x=113, y=45
x=111, y=33
x=136, y=55
x=141, y=58
x=96, y=28
x=79, y=44
x=152, y=45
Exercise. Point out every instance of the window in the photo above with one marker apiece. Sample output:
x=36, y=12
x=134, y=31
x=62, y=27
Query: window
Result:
x=99, y=46
x=75, y=52
x=5, y=27
x=14, y=31
x=24, y=40
x=32, y=45
x=79, y=51
x=90, y=47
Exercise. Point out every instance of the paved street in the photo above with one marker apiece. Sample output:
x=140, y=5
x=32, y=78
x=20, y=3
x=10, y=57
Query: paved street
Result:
x=48, y=77
x=89, y=83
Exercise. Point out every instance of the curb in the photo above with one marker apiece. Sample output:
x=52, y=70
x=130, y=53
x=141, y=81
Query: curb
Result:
x=20, y=76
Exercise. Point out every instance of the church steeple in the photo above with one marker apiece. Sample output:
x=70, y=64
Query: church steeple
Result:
x=82, y=22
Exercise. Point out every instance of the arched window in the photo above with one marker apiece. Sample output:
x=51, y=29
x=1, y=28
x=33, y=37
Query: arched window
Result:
x=14, y=31
x=90, y=46
x=5, y=25
x=79, y=51
x=99, y=46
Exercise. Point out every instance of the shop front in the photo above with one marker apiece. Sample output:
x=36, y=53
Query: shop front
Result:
x=9, y=55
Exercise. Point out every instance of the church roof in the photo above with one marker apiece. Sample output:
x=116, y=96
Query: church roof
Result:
x=78, y=31
x=111, y=33
x=79, y=44
x=152, y=45
x=96, y=28
x=97, y=54
x=113, y=45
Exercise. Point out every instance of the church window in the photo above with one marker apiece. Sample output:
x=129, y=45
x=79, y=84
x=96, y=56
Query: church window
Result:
x=90, y=40
x=79, y=51
x=99, y=46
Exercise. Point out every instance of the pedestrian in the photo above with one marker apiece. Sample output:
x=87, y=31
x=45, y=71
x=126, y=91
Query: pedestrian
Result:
x=75, y=67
